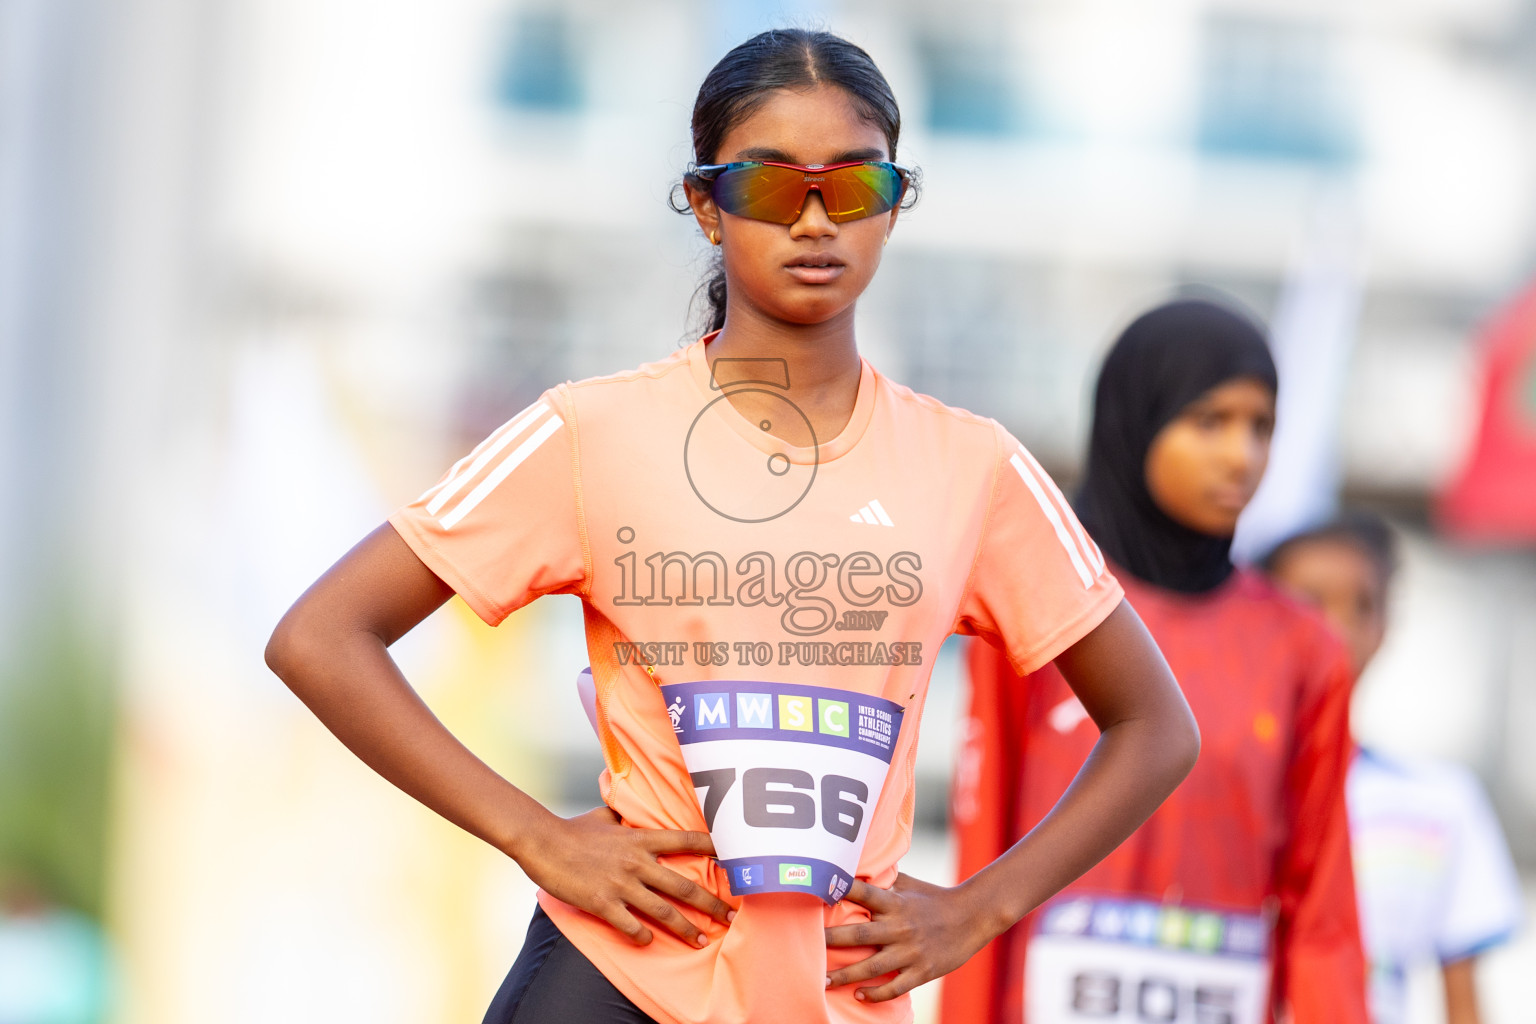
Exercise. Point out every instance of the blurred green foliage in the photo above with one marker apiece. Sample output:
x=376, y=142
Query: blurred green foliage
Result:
x=56, y=718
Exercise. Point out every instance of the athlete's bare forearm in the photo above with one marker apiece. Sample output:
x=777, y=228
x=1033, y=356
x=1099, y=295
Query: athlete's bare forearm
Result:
x=1148, y=744
x=332, y=651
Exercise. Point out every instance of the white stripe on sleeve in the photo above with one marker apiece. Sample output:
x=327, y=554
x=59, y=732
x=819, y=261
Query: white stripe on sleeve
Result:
x=501, y=472
x=453, y=474
x=456, y=484
x=1085, y=543
x=1054, y=517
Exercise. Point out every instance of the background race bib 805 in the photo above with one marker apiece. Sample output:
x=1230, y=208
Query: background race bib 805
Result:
x=1119, y=960
x=787, y=777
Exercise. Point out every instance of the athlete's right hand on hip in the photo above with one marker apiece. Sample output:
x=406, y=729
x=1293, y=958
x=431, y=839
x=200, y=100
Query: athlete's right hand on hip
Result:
x=610, y=870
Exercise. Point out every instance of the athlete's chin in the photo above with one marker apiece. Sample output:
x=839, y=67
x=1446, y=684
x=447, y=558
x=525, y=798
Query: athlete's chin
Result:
x=809, y=311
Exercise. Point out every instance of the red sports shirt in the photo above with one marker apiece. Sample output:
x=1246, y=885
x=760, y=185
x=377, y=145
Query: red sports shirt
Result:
x=716, y=561
x=1259, y=825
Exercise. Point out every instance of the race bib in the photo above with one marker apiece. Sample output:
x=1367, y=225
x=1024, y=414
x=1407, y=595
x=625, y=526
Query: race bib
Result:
x=787, y=776
x=1106, y=959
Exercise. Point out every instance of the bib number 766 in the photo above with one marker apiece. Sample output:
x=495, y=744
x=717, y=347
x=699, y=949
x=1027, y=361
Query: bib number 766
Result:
x=787, y=798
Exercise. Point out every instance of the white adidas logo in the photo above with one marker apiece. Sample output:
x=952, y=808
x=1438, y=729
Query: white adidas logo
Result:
x=1067, y=715
x=873, y=514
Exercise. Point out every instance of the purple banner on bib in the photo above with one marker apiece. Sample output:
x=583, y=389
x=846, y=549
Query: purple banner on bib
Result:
x=725, y=709
x=751, y=875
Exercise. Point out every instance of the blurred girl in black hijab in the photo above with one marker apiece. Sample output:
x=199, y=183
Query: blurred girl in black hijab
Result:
x=1256, y=837
x=1165, y=361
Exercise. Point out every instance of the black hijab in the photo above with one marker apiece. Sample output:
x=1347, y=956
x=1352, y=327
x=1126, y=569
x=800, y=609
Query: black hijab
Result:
x=1162, y=362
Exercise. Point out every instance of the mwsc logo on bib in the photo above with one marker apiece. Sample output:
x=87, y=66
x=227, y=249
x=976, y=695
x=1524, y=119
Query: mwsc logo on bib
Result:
x=756, y=711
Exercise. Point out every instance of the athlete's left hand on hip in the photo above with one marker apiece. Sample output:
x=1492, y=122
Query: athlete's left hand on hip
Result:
x=922, y=931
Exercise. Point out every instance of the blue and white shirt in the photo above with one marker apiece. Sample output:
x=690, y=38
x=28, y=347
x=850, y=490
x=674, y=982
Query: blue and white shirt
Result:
x=1434, y=876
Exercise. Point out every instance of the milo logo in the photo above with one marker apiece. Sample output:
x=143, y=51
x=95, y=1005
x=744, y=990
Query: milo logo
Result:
x=795, y=874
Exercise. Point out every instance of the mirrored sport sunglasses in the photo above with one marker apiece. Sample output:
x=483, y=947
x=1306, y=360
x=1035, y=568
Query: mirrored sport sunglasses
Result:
x=775, y=192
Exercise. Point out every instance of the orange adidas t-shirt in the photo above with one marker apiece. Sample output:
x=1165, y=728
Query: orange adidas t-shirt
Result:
x=734, y=582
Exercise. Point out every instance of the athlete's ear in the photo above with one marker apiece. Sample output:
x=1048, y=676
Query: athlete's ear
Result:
x=704, y=211
x=890, y=225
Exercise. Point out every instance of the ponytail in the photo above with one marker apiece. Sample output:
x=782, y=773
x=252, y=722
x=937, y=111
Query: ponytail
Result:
x=713, y=290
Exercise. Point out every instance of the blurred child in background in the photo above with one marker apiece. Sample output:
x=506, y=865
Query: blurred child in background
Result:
x=1434, y=876
x=1235, y=901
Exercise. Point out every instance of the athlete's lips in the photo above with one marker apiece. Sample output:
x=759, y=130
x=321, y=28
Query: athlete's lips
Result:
x=815, y=259
x=815, y=267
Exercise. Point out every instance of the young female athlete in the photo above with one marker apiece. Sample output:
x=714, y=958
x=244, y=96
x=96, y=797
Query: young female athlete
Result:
x=1435, y=879
x=770, y=541
x=1236, y=896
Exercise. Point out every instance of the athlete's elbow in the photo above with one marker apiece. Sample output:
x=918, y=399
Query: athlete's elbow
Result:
x=292, y=647
x=1191, y=746
x=1183, y=745
x=1179, y=736
x=279, y=653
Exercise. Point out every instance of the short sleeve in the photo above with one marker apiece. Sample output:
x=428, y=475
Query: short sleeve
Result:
x=1483, y=899
x=1039, y=583
x=502, y=526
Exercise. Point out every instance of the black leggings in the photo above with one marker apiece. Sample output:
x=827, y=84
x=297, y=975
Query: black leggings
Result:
x=552, y=983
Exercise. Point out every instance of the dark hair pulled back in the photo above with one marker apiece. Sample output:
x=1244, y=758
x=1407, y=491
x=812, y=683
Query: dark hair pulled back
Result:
x=741, y=82
x=1365, y=531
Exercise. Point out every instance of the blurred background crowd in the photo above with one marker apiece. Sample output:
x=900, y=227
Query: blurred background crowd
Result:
x=268, y=266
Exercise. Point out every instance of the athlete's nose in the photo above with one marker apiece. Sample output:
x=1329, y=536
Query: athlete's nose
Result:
x=813, y=221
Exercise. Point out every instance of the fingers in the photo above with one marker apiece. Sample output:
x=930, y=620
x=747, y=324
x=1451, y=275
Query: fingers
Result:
x=883, y=963
x=661, y=842
x=685, y=890
x=903, y=983
x=670, y=841
x=618, y=877
x=871, y=897
x=620, y=912
x=874, y=932
x=886, y=962
x=862, y=933
x=892, y=939
x=618, y=915
x=918, y=931
x=659, y=909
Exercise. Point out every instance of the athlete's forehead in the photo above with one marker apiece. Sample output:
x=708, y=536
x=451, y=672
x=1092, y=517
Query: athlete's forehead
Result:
x=822, y=125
